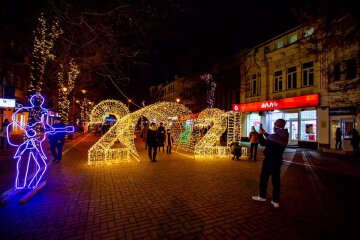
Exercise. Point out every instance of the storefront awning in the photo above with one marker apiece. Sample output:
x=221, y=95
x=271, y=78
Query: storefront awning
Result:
x=311, y=100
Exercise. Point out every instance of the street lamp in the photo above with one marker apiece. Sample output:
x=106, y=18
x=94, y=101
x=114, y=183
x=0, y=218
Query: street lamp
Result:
x=177, y=100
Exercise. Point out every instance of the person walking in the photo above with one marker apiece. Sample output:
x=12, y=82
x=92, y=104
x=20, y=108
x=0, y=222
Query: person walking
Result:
x=3, y=134
x=254, y=142
x=169, y=140
x=152, y=141
x=161, y=136
x=144, y=134
x=355, y=139
x=274, y=148
x=338, y=136
x=57, y=140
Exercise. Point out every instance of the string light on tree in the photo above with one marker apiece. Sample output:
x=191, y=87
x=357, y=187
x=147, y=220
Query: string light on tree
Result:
x=211, y=87
x=66, y=87
x=44, y=39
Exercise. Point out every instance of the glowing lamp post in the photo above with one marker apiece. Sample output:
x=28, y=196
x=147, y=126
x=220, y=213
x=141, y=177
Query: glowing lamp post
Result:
x=177, y=100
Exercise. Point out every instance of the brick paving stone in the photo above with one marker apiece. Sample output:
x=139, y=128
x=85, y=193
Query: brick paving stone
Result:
x=183, y=198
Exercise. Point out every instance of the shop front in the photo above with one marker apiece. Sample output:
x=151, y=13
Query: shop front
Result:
x=300, y=114
x=343, y=118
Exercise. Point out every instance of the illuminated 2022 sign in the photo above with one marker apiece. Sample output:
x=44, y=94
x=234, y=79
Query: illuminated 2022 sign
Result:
x=30, y=154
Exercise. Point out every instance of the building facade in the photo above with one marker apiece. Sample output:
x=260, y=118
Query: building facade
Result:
x=296, y=77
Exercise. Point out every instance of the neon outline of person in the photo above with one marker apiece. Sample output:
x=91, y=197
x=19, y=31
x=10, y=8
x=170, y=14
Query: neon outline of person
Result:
x=33, y=142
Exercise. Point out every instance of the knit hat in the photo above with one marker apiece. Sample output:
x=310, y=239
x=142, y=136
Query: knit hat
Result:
x=280, y=123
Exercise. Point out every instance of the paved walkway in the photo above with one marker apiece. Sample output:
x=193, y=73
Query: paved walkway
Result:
x=182, y=198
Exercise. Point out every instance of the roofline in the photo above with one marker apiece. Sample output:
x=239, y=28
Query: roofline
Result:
x=272, y=39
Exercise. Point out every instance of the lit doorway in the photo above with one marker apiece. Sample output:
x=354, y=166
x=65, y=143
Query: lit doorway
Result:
x=293, y=127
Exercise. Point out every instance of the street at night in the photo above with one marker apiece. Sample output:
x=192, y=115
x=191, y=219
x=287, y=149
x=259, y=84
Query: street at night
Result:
x=182, y=198
x=172, y=119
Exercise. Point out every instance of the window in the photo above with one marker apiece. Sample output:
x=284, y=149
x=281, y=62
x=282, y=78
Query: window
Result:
x=291, y=78
x=293, y=38
x=308, y=125
x=278, y=81
x=350, y=68
x=337, y=72
x=279, y=44
x=255, y=85
x=309, y=32
x=308, y=74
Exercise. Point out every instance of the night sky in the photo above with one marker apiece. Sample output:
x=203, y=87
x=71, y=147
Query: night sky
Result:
x=212, y=31
x=191, y=41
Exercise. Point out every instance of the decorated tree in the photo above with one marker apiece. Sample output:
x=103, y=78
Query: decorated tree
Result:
x=210, y=90
x=66, y=86
x=44, y=39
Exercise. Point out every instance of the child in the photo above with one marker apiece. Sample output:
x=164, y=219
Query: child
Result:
x=235, y=150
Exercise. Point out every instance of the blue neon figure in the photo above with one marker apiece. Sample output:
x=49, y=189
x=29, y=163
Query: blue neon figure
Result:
x=31, y=148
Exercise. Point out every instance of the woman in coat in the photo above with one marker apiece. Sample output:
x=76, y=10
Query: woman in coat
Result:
x=254, y=142
x=169, y=141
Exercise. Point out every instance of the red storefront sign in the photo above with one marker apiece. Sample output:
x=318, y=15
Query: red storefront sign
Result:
x=311, y=100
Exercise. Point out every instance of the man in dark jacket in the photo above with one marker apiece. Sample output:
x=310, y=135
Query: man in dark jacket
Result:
x=152, y=139
x=161, y=136
x=57, y=140
x=274, y=148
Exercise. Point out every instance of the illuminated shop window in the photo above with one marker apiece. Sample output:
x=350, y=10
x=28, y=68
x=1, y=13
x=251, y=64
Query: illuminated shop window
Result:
x=254, y=120
x=308, y=125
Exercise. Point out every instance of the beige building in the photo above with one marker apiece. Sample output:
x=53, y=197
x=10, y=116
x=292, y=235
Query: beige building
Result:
x=297, y=77
x=187, y=91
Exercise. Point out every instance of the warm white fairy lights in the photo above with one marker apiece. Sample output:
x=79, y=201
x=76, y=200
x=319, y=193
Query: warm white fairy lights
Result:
x=103, y=151
x=44, y=39
x=211, y=87
x=123, y=130
x=65, y=87
x=209, y=145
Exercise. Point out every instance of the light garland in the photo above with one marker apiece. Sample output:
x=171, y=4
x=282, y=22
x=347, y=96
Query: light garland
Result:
x=184, y=138
x=211, y=87
x=102, y=152
x=66, y=88
x=209, y=145
x=31, y=148
x=123, y=130
x=43, y=44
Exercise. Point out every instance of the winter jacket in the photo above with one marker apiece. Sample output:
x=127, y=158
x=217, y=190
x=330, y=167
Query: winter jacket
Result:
x=58, y=137
x=254, y=137
x=152, y=136
x=274, y=145
x=169, y=137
